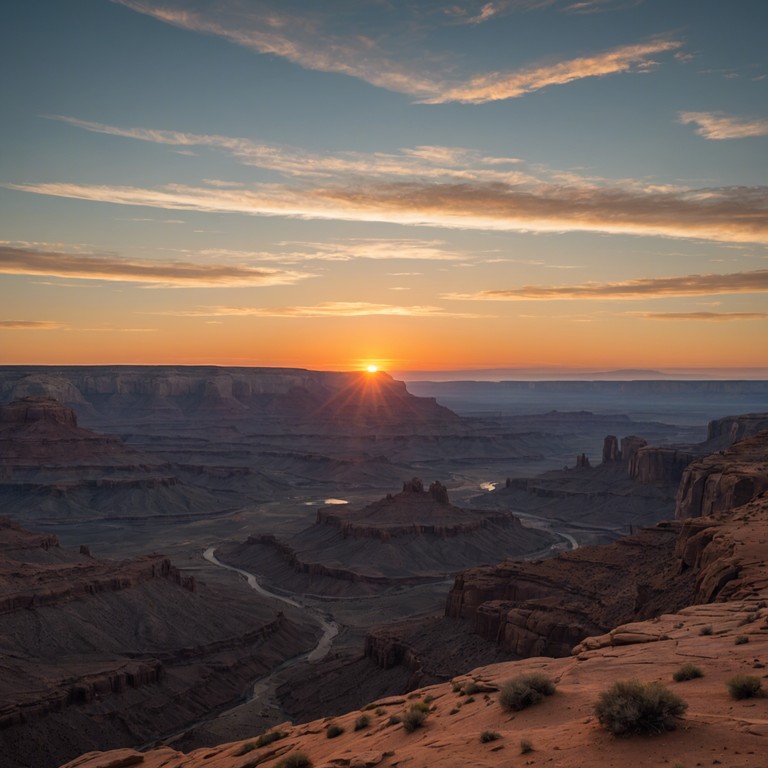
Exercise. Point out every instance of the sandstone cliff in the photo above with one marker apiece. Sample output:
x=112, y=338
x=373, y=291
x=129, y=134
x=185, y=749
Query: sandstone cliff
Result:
x=718, y=483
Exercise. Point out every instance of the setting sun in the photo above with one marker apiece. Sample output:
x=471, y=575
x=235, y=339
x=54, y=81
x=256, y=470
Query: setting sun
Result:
x=372, y=368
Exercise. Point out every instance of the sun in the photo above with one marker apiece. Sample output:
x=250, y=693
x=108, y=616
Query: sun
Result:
x=372, y=368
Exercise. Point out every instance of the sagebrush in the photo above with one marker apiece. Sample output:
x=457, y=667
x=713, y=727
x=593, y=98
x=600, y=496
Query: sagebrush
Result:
x=630, y=706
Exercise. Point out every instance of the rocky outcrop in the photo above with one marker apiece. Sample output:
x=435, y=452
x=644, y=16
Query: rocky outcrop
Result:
x=630, y=445
x=412, y=512
x=582, y=461
x=717, y=484
x=31, y=410
x=546, y=607
x=659, y=465
x=415, y=536
x=37, y=430
x=730, y=429
x=611, y=452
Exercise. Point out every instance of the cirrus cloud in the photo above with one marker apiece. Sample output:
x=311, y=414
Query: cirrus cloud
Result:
x=714, y=317
x=29, y=325
x=325, y=309
x=716, y=125
x=755, y=281
x=726, y=214
x=307, y=40
x=178, y=274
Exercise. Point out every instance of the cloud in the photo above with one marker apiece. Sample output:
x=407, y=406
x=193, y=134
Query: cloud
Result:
x=422, y=161
x=716, y=125
x=326, y=309
x=343, y=250
x=716, y=317
x=507, y=85
x=17, y=261
x=29, y=325
x=726, y=214
x=640, y=288
x=306, y=41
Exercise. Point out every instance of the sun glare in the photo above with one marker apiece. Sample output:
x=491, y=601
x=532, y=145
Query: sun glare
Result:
x=372, y=368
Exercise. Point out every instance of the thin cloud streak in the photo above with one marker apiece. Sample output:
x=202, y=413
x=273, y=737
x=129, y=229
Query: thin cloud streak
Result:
x=303, y=41
x=29, y=325
x=715, y=317
x=17, y=261
x=326, y=309
x=728, y=214
x=420, y=161
x=716, y=125
x=641, y=288
x=498, y=86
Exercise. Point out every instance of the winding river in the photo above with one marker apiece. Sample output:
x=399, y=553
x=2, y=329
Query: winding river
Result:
x=330, y=628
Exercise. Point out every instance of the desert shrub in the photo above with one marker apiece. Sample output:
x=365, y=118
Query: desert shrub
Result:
x=245, y=749
x=413, y=718
x=469, y=700
x=740, y=640
x=687, y=672
x=379, y=711
x=706, y=630
x=429, y=698
x=487, y=736
x=525, y=690
x=525, y=746
x=295, y=760
x=393, y=720
x=471, y=688
x=422, y=706
x=744, y=687
x=362, y=722
x=455, y=686
x=749, y=618
x=454, y=711
x=630, y=706
x=333, y=730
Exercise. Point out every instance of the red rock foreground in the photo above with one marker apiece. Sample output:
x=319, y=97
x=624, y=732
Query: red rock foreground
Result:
x=723, y=638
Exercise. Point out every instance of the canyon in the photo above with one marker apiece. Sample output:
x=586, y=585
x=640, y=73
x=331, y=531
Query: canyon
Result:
x=708, y=606
x=533, y=533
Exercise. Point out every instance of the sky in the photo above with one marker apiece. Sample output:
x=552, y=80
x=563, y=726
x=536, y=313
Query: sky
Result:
x=418, y=185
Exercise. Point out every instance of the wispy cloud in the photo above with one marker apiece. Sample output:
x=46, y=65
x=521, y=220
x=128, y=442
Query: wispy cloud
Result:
x=423, y=161
x=716, y=125
x=352, y=249
x=714, y=317
x=17, y=261
x=325, y=309
x=640, y=288
x=29, y=325
x=729, y=214
x=507, y=85
x=307, y=41
x=479, y=12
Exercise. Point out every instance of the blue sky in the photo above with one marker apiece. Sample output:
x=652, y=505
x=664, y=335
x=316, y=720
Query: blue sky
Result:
x=418, y=184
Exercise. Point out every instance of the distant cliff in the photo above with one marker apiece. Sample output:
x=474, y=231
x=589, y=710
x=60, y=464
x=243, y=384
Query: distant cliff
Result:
x=137, y=394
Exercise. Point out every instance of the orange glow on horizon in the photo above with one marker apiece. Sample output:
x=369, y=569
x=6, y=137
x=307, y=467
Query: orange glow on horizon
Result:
x=372, y=368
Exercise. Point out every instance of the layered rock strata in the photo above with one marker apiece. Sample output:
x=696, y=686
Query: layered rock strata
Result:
x=101, y=653
x=414, y=536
